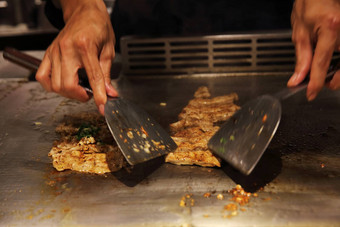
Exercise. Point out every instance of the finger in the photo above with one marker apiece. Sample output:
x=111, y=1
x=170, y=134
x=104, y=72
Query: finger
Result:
x=321, y=60
x=70, y=83
x=334, y=84
x=44, y=72
x=56, y=72
x=69, y=76
x=95, y=75
x=106, y=59
x=304, y=53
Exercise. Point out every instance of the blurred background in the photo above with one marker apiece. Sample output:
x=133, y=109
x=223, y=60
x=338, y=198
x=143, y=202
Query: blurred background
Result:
x=23, y=24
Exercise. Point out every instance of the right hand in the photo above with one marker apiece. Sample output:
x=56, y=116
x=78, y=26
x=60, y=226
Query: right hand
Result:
x=87, y=41
x=316, y=24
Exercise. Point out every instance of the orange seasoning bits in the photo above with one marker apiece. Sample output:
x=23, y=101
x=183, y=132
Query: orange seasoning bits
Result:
x=207, y=195
x=230, y=207
x=143, y=131
x=187, y=201
x=239, y=195
x=220, y=197
x=240, y=198
x=264, y=119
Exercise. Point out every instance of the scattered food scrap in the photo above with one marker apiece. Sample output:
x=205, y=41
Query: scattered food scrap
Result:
x=220, y=197
x=207, y=195
x=239, y=199
x=187, y=201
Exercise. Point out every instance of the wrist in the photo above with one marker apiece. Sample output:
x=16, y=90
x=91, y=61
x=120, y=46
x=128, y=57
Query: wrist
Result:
x=69, y=7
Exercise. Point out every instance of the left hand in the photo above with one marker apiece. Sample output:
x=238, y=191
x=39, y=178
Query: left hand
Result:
x=316, y=24
x=86, y=41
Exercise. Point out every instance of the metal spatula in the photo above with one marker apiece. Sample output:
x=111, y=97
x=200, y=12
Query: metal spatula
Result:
x=137, y=134
x=242, y=140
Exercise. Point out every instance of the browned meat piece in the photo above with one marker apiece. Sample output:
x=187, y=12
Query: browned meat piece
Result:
x=92, y=153
x=196, y=126
x=202, y=92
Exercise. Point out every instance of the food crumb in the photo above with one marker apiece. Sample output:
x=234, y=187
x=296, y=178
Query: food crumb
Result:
x=130, y=134
x=162, y=104
x=230, y=207
x=220, y=197
x=226, y=216
x=187, y=200
x=144, y=132
x=66, y=210
x=322, y=165
x=182, y=203
x=207, y=195
x=234, y=213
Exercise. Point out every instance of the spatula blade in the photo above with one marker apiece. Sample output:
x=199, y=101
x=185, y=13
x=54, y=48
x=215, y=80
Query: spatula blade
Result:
x=137, y=134
x=242, y=140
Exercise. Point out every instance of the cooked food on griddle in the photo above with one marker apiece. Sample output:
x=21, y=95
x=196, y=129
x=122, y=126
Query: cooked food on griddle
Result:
x=86, y=145
x=198, y=122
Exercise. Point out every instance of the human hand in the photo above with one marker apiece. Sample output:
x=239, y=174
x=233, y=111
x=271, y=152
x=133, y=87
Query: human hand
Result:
x=86, y=41
x=316, y=24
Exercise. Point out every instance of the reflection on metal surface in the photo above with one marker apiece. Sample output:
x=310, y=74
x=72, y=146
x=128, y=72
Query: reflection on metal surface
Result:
x=241, y=141
x=297, y=180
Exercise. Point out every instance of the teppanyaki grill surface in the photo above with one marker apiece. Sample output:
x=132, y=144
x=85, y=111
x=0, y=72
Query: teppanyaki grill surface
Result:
x=297, y=179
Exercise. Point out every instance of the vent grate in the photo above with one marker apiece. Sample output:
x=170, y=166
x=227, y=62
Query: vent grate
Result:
x=208, y=54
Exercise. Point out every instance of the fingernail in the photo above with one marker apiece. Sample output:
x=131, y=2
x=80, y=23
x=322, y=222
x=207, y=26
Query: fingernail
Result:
x=101, y=109
x=111, y=90
x=109, y=86
x=311, y=96
x=292, y=79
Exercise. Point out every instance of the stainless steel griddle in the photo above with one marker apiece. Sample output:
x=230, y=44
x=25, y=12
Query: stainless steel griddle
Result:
x=297, y=179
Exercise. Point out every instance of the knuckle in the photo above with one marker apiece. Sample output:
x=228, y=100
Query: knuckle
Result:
x=56, y=88
x=315, y=85
x=68, y=88
x=96, y=77
x=300, y=36
x=299, y=39
x=82, y=42
x=109, y=57
x=323, y=60
x=333, y=21
x=65, y=43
